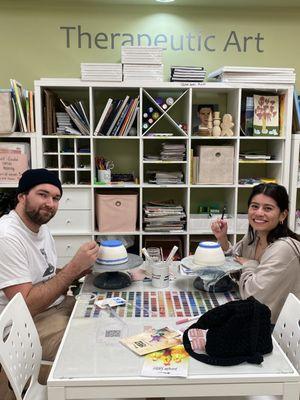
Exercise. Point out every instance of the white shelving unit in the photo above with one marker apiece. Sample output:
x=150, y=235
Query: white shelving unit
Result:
x=72, y=157
x=295, y=184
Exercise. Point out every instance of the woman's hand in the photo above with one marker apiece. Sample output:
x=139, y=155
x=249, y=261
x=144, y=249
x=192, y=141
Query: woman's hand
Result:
x=241, y=260
x=219, y=229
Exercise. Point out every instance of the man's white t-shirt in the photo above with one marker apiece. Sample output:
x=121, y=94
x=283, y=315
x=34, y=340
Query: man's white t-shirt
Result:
x=25, y=256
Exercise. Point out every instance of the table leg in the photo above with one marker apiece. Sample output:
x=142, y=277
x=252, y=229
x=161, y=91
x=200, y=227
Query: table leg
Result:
x=291, y=391
x=56, y=393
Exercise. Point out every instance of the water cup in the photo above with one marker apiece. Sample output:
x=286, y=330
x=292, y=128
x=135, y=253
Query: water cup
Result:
x=104, y=175
x=160, y=274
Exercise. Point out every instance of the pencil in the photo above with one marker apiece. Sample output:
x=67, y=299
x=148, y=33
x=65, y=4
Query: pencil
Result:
x=223, y=212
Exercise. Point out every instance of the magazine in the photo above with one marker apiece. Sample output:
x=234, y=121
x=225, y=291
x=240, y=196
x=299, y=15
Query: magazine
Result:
x=152, y=340
x=168, y=362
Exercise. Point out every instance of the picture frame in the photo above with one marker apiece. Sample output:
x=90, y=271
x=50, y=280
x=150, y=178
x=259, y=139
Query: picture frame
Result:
x=204, y=131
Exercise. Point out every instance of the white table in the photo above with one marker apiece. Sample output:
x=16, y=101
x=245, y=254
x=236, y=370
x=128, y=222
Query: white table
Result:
x=90, y=366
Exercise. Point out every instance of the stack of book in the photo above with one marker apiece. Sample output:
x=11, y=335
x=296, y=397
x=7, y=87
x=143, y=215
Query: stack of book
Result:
x=165, y=178
x=172, y=152
x=164, y=217
x=187, y=74
x=23, y=101
x=78, y=116
x=117, y=117
x=111, y=72
x=142, y=63
x=254, y=74
x=63, y=122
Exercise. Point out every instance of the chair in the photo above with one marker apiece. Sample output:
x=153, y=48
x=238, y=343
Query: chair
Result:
x=287, y=330
x=20, y=350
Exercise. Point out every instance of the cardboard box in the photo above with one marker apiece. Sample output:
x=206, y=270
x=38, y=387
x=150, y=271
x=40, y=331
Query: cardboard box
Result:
x=216, y=164
x=116, y=212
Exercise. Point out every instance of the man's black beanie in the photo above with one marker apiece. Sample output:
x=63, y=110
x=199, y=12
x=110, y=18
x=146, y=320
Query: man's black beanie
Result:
x=34, y=177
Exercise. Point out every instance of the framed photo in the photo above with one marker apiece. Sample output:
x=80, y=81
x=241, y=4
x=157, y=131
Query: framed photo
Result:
x=201, y=115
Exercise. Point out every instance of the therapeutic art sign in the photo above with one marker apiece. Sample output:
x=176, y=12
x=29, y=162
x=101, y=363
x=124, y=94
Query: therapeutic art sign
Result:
x=77, y=37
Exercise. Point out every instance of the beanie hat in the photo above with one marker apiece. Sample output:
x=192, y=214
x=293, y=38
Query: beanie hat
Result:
x=34, y=177
x=237, y=331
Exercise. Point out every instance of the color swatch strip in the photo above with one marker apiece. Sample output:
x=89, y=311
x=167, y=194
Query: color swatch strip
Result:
x=161, y=304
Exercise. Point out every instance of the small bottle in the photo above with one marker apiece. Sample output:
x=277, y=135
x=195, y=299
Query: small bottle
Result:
x=150, y=121
x=169, y=101
x=150, y=110
x=145, y=125
x=155, y=115
x=145, y=115
x=164, y=106
x=159, y=100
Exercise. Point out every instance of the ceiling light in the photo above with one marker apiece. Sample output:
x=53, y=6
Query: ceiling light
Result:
x=165, y=1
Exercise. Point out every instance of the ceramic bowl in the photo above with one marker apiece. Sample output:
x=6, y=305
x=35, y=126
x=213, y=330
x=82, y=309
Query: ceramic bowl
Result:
x=112, y=252
x=209, y=254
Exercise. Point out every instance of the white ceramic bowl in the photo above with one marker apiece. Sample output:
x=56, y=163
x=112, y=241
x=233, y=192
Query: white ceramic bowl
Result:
x=209, y=254
x=112, y=252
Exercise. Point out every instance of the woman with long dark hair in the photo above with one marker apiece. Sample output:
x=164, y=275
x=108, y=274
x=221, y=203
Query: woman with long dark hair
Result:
x=270, y=252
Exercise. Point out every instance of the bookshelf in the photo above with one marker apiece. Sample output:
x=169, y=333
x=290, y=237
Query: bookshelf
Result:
x=295, y=184
x=76, y=219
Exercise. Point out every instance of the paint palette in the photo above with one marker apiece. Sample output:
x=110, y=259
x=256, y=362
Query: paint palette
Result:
x=155, y=304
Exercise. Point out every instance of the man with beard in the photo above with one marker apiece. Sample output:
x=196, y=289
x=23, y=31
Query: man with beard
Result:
x=28, y=258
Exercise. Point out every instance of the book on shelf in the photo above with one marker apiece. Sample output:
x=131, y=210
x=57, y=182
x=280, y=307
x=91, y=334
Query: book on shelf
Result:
x=18, y=94
x=116, y=103
x=49, y=115
x=31, y=111
x=247, y=114
x=131, y=121
x=296, y=112
x=117, y=115
x=254, y=156
x=122, y=117
x=76, y=118
x=105, y=113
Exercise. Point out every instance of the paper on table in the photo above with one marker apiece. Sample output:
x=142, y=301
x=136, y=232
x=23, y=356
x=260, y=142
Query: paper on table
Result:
x=168, y=362
x=152, y=340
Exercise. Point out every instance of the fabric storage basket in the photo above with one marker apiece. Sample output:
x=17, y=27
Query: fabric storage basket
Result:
x=116, y=212
x=216, y=164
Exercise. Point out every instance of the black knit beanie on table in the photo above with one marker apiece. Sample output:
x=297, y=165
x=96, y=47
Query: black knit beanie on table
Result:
x=38, y=176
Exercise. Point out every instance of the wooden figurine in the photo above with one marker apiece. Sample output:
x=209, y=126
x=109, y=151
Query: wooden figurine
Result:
x=226, y=125
x=210, y=123
x=216, y=124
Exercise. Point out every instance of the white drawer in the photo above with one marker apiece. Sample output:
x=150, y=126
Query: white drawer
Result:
x=75, y=199
x=66, y=246
x=71, y=221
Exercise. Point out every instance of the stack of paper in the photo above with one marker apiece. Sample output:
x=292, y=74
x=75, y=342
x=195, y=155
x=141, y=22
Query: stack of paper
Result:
x=165, y=178
x=142, y=63
x=172, y=152
x=151, y=72
x=254, y=74
x=111, y=72
x=187, y=74
x=164, y=217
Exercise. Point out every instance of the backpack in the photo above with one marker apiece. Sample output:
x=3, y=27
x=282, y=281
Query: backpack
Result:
x=237, y=331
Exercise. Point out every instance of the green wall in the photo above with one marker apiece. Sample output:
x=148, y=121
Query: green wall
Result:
x=33, y=45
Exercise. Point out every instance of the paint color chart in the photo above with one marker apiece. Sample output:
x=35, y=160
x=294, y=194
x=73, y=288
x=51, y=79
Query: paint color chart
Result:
x=156, y=304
